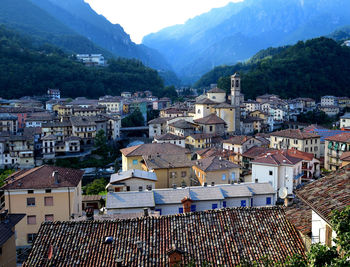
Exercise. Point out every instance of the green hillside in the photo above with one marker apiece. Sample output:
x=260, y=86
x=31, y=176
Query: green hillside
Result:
x=313, y=68
x=26, y=69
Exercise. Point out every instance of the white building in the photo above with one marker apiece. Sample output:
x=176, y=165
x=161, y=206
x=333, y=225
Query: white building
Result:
x=170, y=201
x=171, y=139
x=91, y=59
x=329, y=100
x=345, y=121
x=279, y=169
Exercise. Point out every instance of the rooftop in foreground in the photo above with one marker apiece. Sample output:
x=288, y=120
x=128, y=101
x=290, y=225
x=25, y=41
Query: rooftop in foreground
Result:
x=220, y=237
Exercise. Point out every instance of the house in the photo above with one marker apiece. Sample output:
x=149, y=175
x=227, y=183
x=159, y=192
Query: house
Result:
x=323, y=196
x=170, y=169
x=132, y=156
x=169, y=240
x=87, y=127
x=296, y=139
x=250, y=155
x=112, y=104
x=45, y=193
x=251, y=105
x=331, y=111
x=54, y=93
x=171, y=139
x=173, y=112
x=199, y=140
x=329, y=100
x=8, y=123
x=216, y=170
x=278, y=168
x=8, y=222
x=92, y=201
x=267, y=97
x=310, y=165
x=132, y=180
x=157, y=127
x=161, y=103
x=182, y=127
x=199, y=198
x=38, y=119
x=335, y=146
x=91, y=59
x=345, y=121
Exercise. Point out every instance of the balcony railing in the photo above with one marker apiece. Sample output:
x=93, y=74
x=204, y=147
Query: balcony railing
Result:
x=296, y=177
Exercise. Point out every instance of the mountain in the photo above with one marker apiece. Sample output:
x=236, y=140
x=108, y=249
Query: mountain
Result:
x=237, y=31
x=80, y=17
x=27, y=18
x=27, y=69
x=312, y=68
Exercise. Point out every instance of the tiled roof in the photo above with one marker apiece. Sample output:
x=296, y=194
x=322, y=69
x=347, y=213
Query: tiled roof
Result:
x=343, y=137
x=224, y=105
x=206, y=101
x=166, y=161
x=182, y=124
x=345, y=156
x=130, y=200
x=168, y=136
x=42, y=177
x=198, y=136
x=323, y=132
x=329, y=193
x=300, y=215
x=216, y=90
x=225, y=237
x=215, y=164
x=255, y=151
x=213, y=151
x=276, y=157
x=153, y=149
x=300, y=154
x=210, y=119
x=7, y=224
x=237, y=140
x=294, y=133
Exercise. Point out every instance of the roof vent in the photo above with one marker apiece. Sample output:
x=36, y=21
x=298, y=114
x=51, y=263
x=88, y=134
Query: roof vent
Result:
x=108, y=240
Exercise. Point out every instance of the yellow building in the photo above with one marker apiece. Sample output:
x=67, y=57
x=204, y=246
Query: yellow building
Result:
x=7, y=238
x=200, y=140
x=296, y=139
x=170, y=170
x=216, y=170
x=132, y=156
x=45, y=193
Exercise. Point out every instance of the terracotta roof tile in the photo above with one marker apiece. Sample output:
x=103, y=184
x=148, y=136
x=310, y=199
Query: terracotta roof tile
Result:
x=328, y=193
x=294, y=133
x=343, y=137
x=224, y=237
x=300, y=215
x=42, y=177
x=276, y=157
x=210, y=119
x=214, y=163
x=153, y=149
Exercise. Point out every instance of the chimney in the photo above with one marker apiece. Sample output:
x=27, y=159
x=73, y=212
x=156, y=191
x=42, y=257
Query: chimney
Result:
x=174, y=257
x=140, y=188
x=145, y=212
x=186, y=203
x=89, y=214
x=55, y=177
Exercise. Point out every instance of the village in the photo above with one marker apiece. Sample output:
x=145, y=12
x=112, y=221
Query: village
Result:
x=205, y=154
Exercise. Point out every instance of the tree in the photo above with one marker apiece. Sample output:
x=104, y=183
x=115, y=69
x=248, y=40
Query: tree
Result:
x=4, y=174
x=96, y=187
x=134, y=119
x=100, y=143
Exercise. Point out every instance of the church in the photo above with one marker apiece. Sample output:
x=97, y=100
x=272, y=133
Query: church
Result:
x=215, y=104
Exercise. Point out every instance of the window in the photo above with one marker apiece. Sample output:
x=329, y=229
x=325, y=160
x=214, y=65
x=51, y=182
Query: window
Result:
x=47, y=190
x=31, y=219
x=127, y=188
x=159, y=210
x=233, y=176
x=173, y=174
x=31, y=201
x=243, y=203
x=268, y=201
x=210, y=128
x=31, y=238
x=181, y=210
x=223, y=177
x=49, y=218
x=199, y=111
x=193, y=208
x=270, y=172
x=30, y=191
x=306, y=149
x=183, y=174
x=48, y=201
x=134, y=162
x=315, y=148
x=224, y=204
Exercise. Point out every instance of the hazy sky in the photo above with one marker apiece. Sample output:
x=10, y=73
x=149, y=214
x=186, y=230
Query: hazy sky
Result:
x=141, y=17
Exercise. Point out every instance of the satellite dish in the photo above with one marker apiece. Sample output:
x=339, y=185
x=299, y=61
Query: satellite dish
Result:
x=283, y=192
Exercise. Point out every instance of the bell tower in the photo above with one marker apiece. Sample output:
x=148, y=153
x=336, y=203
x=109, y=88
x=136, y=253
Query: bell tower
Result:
x=236, y=99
